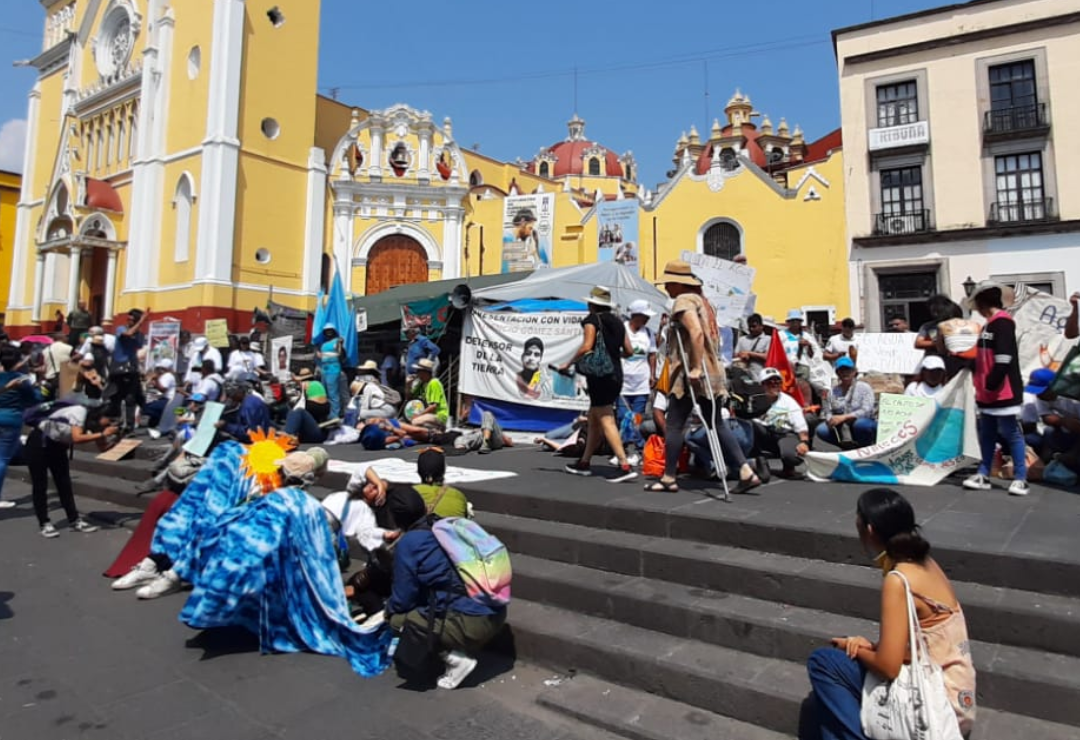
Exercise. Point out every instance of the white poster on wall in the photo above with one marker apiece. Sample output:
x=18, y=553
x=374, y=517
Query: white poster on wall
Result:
x=727, y=285
x=280, y=357
x=892, y=352
x=508, y=356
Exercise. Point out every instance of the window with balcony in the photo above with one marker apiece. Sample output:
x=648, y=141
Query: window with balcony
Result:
x=897, y=104
x=1021, y=197
x=902, y=210
x=1014, y=100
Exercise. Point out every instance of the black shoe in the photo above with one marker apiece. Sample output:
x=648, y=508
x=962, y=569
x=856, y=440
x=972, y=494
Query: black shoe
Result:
x=761, y=467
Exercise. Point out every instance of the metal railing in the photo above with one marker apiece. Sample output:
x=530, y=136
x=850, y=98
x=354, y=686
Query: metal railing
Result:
x=1022, y=212
x=891, y=224
x=1016, y=119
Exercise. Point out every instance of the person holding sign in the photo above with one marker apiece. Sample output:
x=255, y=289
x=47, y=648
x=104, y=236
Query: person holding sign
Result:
x=849, y=410
x=999, y=389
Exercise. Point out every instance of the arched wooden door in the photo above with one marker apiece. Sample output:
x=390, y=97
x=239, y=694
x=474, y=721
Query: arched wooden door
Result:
x=395, y=260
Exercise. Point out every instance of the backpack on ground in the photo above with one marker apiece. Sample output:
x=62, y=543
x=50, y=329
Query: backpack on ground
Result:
x=748, y=399
x=481, y=560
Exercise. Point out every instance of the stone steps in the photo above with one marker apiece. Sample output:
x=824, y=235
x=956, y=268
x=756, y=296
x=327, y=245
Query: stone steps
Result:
x=1012, y=679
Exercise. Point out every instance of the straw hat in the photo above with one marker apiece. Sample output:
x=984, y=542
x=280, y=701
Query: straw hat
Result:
x=424, y=364
x=368, y=368
x=600, y=296
x=678, y=271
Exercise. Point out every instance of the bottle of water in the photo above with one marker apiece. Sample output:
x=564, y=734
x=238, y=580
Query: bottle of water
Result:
x=393, y=646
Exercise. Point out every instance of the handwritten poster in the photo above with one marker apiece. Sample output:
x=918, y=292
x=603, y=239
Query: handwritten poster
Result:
x=727, y=285
x=892, y=352
x=894, y=410
x=204, y=434
x=217, y=332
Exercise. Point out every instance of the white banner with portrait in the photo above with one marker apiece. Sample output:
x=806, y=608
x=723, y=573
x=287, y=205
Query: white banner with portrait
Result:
x=507, y=356
x=528, y=229
x=617, y=232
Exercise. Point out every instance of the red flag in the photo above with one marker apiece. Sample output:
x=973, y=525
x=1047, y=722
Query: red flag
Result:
x=778, y=359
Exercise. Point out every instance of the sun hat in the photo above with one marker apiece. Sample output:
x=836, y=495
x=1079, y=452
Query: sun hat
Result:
x=368, y=368
x=1039, y=380
x=678, y=271
x=640, y=307
x=843, y=362
x=424, y=364
x=1008, y=295
x=932, y=362
x=298, y=465
x=600, y=296
x=200, y=343
x=794, y=315
x=770, y=373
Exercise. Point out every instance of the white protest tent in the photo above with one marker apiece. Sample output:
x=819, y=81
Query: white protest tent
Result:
x=574, y=284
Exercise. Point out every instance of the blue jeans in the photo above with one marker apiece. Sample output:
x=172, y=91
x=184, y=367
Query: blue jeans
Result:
x=837, y=681
x=628, y=430
x=863, y=433
x=560, y=433
x=9, y=446
x=302, y=425
x=1007, y=428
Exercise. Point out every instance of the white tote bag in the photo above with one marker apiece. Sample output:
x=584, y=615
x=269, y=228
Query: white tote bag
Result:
x=915, y=704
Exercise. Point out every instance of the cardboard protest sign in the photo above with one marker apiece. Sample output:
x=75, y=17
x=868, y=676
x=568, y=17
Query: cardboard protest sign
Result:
x=217, y=333
x=894, y=410
x=929, y=445
x=506, y=355
x=120, y=450
x=204, y=434
x=727, y=285
x=892, y=352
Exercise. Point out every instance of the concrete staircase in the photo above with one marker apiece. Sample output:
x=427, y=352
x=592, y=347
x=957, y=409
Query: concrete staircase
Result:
x=671, y=622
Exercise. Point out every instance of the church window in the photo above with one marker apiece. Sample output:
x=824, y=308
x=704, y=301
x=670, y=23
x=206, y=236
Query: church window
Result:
x=182, y=205
x=134, y=135
x=475, y=178
x=545, y=169
x=629, y=173
x=111, y=146
x=594, y=166
x=722, y=240
x=100, y=147
x=194, y=62
x=277, y=18
x=727, y=158
x=115, y=42
x=271, y=128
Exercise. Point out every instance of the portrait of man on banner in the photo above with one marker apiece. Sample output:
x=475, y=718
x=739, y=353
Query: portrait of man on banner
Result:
x=527, y=230
x=533, y=380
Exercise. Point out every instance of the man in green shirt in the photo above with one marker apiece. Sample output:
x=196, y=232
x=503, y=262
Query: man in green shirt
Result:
x=430, y=391
x=442, y=500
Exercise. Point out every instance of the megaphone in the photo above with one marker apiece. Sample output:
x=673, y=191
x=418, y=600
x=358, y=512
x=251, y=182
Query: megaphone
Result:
x=461, y=297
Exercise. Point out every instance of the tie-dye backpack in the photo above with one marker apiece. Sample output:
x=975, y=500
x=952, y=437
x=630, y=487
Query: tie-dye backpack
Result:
x=481, y=559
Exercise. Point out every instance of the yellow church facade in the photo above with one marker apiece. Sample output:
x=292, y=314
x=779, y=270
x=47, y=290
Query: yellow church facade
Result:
x=179, y=158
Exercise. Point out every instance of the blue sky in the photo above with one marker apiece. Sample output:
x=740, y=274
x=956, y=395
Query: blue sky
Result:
x=505, y=73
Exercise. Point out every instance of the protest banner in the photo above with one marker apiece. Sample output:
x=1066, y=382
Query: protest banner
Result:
x=280, y=360
x=894, y=410
x=528, y=230
x=617, y=232
x=727, y=285
x=506, y=356
x=932, y=443
x=163, y=343
x=429, y=315
x=217, y=332
x=1040, y=329
x=286, y=321
x=892, y=352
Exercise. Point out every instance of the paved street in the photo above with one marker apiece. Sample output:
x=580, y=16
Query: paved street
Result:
x=78, y=660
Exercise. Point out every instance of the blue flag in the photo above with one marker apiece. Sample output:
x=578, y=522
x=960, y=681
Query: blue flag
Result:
x=337, y=312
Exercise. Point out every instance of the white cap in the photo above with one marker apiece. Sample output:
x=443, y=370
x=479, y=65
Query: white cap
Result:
x=933, y=362
x=794, y=315
x=641, y=307
x=164, y=363
x=200, y=343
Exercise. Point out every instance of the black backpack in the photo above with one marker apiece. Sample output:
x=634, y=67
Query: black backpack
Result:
x=33, y=416
x=748, y=399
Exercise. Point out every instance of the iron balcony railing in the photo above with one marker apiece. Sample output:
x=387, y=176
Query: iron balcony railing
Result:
x=1022, y=212
x=891, y=224
x=1018, y=119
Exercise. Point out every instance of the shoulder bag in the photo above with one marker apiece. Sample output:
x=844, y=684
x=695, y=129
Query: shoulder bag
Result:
x=596, y=363
x=915, y=704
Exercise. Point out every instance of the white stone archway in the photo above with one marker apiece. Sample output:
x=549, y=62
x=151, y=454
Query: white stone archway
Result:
x=372, y=236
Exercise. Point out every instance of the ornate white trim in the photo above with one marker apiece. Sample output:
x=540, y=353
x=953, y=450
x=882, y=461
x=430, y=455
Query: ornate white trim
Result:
x=114, y=44
x=811, y=173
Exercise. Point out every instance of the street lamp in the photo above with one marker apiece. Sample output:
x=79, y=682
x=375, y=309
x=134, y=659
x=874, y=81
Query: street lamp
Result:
x=969, y=286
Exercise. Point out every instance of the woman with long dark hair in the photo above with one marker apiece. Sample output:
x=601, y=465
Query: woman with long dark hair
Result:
x=888, y=532
x=603, y=390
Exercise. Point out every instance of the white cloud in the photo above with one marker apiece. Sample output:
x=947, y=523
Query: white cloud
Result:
x=12, y=143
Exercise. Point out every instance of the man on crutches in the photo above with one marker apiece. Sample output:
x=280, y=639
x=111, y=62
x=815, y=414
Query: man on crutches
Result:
x=696, y=381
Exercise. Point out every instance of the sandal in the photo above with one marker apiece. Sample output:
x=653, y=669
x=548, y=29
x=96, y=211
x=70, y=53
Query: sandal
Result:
x=662, y=487
x=747, y=484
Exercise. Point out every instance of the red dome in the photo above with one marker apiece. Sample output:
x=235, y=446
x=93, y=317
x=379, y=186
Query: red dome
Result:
x=570, y=159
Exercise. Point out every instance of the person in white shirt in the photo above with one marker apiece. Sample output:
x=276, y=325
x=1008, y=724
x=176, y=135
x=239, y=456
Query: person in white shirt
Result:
x=799, y=346
x=245, y=361
x=368, y=397
x=210, y=384
x=840, y=345
x=164, y=381
x=638, y=371
x=202, y=352
x=932, y=370
x=782, y=430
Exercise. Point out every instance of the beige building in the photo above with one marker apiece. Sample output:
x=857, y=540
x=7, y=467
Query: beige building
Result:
x=960, y=151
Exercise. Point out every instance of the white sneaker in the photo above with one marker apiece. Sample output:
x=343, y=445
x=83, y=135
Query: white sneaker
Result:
x=458, y=667
x=1019, y=488
x=141, y=573
x=154, y=433
x=7, y=504
x=81, y=525
x=165, y=584
x=977, y=483
x=633, y=458
x=48, y=531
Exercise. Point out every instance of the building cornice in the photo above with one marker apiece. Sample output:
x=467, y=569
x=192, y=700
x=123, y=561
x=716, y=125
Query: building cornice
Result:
x=54, y=57
x=964, y=38
x=966, y=234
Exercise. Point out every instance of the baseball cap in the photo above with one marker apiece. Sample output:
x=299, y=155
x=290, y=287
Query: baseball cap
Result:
x=794, y=315
x=933, y=362
x=1039, y=381
x=771, y=373
x=641, y=307
x=843, y=362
